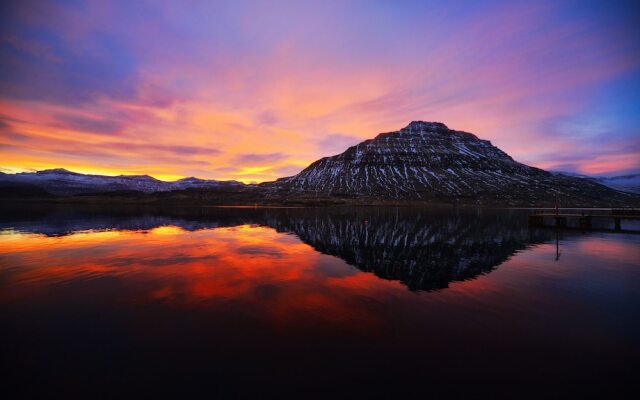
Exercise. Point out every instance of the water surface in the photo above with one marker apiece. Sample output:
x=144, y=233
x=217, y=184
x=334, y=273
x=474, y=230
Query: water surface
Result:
x=373, y=302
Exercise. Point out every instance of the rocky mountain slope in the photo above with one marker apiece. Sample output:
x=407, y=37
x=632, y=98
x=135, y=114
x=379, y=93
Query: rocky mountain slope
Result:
x=427, y=161
x=62, y=182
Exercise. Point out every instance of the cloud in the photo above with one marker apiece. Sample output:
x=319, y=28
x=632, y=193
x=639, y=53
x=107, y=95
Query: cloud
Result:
x=101, y=67
x=336, y=143
x=84, y=124
x=253, y=159
x=268, y=118
x=126, y=152
x=288, y=170
x=226, y=169
x=151, y=148
x=32, y=47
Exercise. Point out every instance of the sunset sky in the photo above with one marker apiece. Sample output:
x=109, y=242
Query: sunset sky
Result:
x=254, y=91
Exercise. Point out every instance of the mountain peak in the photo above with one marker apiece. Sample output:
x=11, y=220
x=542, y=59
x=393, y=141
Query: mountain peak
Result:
x=426, y=128
x=425, y=125
x=138, y=177
x=56, y=171
x=191, y=179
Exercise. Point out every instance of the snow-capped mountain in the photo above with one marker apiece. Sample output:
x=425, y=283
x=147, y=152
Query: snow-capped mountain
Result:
x=60, y=181
x=427, y=160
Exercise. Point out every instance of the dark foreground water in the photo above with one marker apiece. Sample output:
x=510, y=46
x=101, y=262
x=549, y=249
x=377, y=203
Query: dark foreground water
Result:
x=312, y=303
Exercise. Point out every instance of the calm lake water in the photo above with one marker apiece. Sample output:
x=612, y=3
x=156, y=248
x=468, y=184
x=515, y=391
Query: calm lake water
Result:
x=368, y=302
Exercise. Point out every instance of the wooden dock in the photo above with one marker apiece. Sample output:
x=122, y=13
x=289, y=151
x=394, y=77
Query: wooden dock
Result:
x=560, y=219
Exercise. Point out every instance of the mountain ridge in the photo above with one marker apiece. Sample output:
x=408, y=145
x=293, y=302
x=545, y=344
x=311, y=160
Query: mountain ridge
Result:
x=62, y=182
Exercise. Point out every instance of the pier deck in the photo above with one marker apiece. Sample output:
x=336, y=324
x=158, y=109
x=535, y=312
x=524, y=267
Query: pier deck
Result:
x=584, y=219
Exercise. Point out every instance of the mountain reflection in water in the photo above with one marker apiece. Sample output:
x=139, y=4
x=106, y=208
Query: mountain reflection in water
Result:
x=423, y=248
x=311, y=303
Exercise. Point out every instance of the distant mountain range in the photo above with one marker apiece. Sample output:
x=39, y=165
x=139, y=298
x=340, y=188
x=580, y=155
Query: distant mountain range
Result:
x=423, y=162
x=62, y=182
x=626, y=183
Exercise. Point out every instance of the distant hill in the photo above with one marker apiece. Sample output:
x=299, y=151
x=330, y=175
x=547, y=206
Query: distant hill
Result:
x=625, y=183
x=62, y=182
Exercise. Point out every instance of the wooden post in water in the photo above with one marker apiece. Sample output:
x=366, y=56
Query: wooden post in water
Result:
x=616, y=222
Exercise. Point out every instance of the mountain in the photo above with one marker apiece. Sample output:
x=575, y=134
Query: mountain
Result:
x=62, y=182
x=427, y=161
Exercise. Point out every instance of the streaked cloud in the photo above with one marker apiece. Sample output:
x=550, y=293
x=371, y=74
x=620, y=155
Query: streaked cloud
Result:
x=83, y=124
x=253, y=159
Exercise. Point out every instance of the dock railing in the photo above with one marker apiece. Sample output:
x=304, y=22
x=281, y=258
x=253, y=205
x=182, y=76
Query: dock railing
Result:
x=633, y=212
x=559, y=218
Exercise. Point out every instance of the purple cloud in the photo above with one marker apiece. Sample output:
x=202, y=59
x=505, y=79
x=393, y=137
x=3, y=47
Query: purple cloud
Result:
x=84, y=124
x=255, y=158
x=288, y=170
x=336, y=143
x=268, y=118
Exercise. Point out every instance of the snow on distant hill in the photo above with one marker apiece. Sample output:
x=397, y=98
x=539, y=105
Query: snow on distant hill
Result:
x=60, y=181
x=627, y=183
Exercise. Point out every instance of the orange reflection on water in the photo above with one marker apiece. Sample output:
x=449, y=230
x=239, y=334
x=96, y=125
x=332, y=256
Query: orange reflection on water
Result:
x=611, y=250
x=278, y=276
